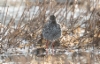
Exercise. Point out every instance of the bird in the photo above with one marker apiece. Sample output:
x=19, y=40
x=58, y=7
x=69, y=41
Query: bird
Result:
x=51, y=31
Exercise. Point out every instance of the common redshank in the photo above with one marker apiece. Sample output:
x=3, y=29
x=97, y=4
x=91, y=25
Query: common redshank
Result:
x=51, y=31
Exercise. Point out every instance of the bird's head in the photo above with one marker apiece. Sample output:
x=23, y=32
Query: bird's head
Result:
x=52, y=18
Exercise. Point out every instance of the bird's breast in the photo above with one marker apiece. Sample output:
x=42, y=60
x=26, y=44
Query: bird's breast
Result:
x=52, y=32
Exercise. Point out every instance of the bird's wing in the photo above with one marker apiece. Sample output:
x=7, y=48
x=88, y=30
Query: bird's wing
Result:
x=57, y=31
x=45, y=28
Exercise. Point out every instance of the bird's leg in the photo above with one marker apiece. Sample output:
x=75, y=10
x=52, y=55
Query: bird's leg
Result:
x=53, y=47
x=46, y=47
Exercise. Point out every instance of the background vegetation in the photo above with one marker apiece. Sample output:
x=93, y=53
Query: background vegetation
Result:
x=22, y=22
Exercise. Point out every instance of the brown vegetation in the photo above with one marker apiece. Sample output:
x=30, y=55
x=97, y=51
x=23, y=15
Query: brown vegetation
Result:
x=81, y=31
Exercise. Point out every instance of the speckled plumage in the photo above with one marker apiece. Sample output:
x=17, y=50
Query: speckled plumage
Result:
x=51, y=30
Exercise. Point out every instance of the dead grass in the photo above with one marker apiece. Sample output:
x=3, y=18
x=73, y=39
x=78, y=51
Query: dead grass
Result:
x=30, y=30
